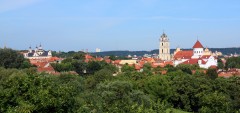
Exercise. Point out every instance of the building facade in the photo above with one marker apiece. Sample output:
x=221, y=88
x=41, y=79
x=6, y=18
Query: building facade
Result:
x=164, y=48
x=38, y=53
x=200, y=56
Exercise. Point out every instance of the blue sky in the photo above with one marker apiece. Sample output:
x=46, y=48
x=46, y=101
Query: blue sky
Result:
x=118, y=24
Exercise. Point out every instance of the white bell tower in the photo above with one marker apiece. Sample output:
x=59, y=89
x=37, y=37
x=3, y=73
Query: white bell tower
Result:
x=164, y=48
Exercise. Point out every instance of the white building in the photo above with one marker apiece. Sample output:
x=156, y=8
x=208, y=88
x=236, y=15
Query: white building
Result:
x=38, y=53
x=164, y=48
x=98, y=50
x=204, y=58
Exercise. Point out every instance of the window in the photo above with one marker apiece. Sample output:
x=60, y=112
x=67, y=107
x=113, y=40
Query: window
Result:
x=162, y=44
x=162, y=50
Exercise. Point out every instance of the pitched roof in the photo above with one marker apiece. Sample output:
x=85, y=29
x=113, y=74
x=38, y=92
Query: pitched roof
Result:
x=87, y=56
x=206, y=56
x=116, y=61
x=193, y=61
x=198, y=45
x=150, y=60
x=184, y=54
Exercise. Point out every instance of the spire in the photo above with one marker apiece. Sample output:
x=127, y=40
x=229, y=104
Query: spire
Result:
x=40, y=47
x=198, y=45
x=164, y=37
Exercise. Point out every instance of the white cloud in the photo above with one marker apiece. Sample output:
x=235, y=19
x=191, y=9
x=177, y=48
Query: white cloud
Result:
x=8, y=5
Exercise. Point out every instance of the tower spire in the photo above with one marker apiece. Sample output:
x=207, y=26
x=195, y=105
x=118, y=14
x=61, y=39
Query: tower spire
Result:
x=164, y=47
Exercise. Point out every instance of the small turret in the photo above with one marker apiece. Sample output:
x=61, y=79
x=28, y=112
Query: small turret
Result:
x=197, y=50
x=30, y=49
x=40, y=47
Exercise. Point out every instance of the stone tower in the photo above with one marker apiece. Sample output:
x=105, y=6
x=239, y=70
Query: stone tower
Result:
x=164, y=48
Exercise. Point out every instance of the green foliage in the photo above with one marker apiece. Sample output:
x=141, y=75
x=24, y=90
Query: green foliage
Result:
x=98, y=77
x=30, y=93
x=62, y=67
x=119, y=96
x=212, y=73
x=69, y=54
x=127, y=68
x=147, y=69
x=12, y=59
x=186, y=68
x=79, y=56
x=131, y=91
x=233, y=62
x=80, y=67
x=220, y=64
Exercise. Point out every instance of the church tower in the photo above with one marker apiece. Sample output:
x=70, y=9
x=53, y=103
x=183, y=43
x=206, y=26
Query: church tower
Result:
x=164, y=48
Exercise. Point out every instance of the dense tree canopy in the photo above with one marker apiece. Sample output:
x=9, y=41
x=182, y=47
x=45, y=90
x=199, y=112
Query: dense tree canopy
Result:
x=233, y=62
x=24, y=90
x=12, y=59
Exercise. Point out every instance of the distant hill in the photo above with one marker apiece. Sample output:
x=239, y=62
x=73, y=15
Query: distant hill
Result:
x=225, y=51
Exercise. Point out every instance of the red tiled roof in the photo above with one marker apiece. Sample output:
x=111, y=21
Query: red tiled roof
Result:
x=168, y=63
x=225, y=74
x=183, y=54
x=52, y=59
x=162, y=64
x=108, y=60
x=154, y=65
x=88, y=56
x=99, y=59
x=198, y=45
x=205, y=56
x=213, y=66
x=137, y=67
x=193, y=61
x=141, y=62
x=116, y=61
x=150, y=60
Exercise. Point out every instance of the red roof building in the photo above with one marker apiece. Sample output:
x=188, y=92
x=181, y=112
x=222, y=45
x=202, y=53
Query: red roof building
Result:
x=183, y=54
x=198, y=45
x=196, y=56
x=194, y=61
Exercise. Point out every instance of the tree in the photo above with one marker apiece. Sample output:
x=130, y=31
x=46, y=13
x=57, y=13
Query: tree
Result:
x=127, y=68
x=21, y=92
x=233, y=62
x=98, y=77
x=80, y=67
x=94, y=66
x=185, y=68
x=79, y=56
x=212, y=73
x=119, y=96
x=147, y=69
x=220, y=64
x=12, y=59
x=112, y=57
x=62, y=67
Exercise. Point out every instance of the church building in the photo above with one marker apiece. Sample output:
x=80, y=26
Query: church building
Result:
x=38, y=53
x=164, y=48
x=200, y=56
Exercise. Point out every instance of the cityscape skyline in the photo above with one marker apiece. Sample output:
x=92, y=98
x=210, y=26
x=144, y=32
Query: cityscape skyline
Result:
x=118, y=25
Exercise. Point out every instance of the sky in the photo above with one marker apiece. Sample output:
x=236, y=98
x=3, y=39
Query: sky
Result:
x=75, y=25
